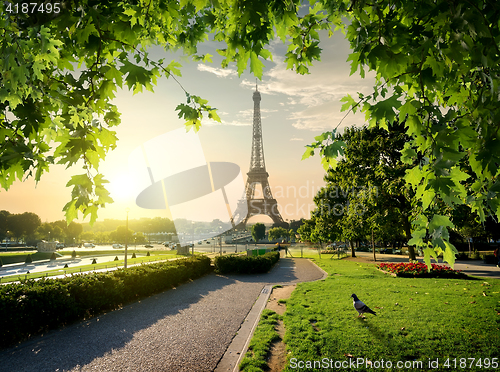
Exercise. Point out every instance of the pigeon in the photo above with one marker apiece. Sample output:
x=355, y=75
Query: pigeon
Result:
x=360, y=306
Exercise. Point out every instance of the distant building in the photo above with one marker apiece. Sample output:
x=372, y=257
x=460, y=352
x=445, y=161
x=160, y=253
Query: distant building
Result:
x=44, y=246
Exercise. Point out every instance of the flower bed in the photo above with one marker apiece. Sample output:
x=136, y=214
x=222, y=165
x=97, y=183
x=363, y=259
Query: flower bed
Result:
x=419, y=269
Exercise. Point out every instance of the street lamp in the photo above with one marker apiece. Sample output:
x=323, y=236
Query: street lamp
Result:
x=126, y=239
x=192, y=247
x=220, y=240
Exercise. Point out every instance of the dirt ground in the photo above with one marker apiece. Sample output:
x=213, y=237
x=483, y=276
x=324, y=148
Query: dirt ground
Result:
x=277, y=354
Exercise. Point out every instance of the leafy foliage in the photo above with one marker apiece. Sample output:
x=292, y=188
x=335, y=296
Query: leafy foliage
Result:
x=437, y=69
x=366, y=190
x=280, y=233
x=237, y=264
x=436, y=65
x=258, y=231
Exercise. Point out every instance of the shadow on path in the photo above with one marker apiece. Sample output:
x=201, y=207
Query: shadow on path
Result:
x=184, y=329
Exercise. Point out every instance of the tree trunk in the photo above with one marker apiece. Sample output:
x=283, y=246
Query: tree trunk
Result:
x=411, y=249
x=353, y=253
x=373, y=248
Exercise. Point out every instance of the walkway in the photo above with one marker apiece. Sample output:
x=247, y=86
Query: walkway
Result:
x=185, y=329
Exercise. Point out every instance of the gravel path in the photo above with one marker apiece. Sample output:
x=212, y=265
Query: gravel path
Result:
x=183, y=329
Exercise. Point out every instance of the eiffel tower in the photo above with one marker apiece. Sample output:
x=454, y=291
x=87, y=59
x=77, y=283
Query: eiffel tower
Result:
x=264, y=204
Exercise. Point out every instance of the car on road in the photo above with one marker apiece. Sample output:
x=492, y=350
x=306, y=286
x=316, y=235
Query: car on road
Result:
x=148, y=246
x=117, y=246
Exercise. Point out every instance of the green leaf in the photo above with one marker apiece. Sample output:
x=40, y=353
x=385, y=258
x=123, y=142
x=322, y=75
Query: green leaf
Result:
x=212, y=114
x=349, y=102
x=427, y=197
x=449, y=253
x=438, y=220
x=308, y=153
x=173, y=68
x=70, y=210
x=256, y=65
x=414, y=176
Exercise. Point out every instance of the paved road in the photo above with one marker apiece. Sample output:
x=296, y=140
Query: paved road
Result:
x=184, y=329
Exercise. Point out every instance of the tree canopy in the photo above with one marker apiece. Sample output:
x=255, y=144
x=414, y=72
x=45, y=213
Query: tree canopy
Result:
x=437, y=68
x=276, y=233
x=366, y=191
x=258, y=231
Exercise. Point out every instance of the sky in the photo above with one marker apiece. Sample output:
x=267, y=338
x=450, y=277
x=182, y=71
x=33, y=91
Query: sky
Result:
x=294, y=109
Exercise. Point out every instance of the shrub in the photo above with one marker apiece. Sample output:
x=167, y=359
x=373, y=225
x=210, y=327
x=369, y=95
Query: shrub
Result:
x=33, y=307
x=489, y=259
x=73, y=255
x=133, y=255
x=237, y=264
x=28, y=259
x=53, y=256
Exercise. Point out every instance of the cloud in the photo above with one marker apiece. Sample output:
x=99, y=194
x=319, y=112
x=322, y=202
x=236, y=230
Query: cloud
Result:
x=313, y=100
x=219, y=72
x=209, y=122
x=296, y=139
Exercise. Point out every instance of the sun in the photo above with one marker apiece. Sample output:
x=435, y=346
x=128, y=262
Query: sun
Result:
x=122, y=187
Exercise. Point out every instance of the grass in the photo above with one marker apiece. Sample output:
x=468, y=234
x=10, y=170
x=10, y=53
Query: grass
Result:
x=19, y=257
x=265, y=334
x=77, y=268
x=418, y=320
x=118, y=251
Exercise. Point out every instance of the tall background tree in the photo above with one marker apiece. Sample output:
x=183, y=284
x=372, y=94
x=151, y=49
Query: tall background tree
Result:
x=4, y=215
x=373, y=174
x=23, y=226
x=366, y=192
x=280, y=233
x=258, y=231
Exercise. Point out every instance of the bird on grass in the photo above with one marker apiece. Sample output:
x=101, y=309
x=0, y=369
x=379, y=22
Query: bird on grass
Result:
x=360, y=307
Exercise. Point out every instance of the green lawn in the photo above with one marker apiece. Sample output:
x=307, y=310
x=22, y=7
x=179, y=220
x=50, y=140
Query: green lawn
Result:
x=130, y=250
x=418, y=321
x=77, y=267
x=17, y=257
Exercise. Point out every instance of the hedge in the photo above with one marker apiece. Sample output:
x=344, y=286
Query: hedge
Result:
x=237, y=264
x=33, y=307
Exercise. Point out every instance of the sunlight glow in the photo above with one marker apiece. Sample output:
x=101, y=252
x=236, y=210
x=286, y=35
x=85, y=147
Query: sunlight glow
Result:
x=122, y=187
